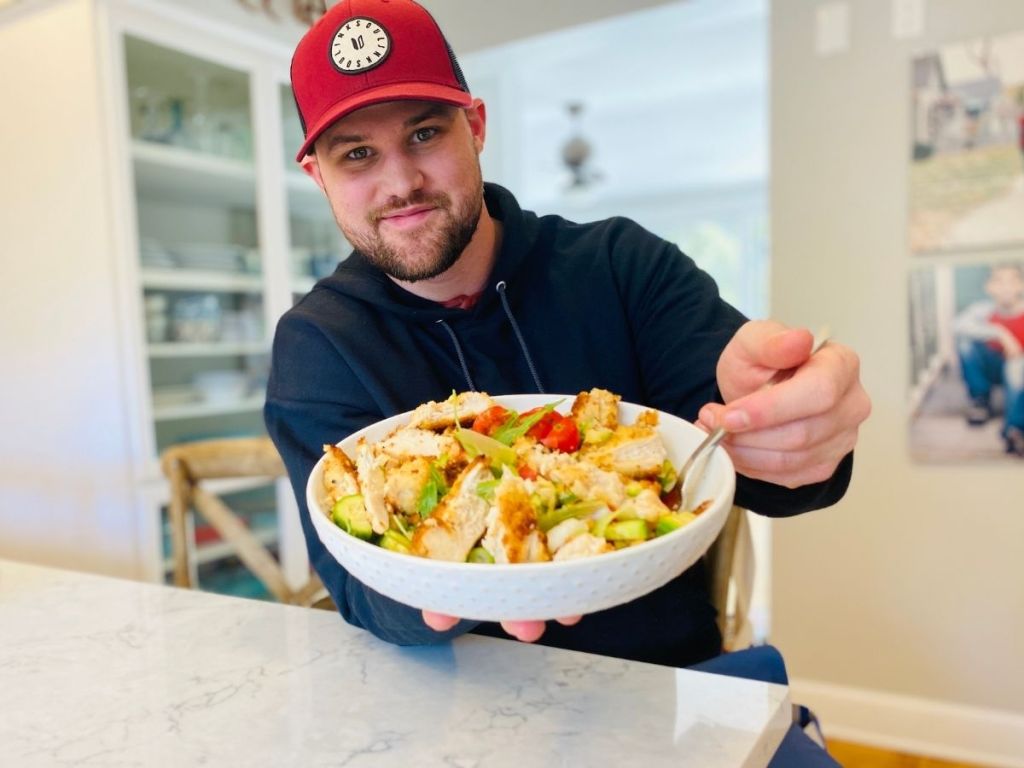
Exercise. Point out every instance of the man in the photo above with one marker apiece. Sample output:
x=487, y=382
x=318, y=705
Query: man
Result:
x=453, y=286
x=990, y=344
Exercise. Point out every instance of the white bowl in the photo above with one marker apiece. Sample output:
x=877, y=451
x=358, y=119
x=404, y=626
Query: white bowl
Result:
x=522, y=591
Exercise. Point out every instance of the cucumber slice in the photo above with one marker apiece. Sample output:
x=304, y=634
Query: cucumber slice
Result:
x=349, y=513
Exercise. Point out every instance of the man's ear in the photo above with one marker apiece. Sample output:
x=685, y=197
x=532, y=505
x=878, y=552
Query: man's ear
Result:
x=312, y=169
x=476, y=113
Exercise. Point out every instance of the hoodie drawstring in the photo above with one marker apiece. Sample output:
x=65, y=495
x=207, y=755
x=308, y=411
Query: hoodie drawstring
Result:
x=458, y=351
x=500, y=288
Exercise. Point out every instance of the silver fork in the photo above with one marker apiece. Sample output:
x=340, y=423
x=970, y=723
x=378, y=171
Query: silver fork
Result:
x=693, y=469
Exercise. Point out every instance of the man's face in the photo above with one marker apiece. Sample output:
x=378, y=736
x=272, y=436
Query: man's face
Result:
x=403, y=180
x=1006, y=286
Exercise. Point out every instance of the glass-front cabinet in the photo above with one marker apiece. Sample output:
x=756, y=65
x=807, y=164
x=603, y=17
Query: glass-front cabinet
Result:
x=209, y=284
x=316, y=243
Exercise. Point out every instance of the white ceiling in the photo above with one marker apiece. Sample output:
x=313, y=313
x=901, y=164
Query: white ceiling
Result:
x=469, y=24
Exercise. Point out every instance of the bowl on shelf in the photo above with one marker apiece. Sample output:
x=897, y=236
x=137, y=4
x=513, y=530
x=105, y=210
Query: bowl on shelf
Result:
x=524, y=591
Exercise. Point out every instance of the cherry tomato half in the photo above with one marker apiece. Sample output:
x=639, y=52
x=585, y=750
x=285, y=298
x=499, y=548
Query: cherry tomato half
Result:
x=563, y=436
x=540, y=430
x=488, y=421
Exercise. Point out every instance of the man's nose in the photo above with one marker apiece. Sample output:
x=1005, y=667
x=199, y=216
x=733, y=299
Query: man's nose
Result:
x=401, y=176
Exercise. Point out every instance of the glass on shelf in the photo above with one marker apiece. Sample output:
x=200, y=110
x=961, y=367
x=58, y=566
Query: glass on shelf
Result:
x=188, y=102
x=203, y=317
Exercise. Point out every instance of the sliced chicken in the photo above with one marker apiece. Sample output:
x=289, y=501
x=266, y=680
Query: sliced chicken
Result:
x=635, y=451
x=584, y=545
x=512, y=534
x=441, y=415
x=408, y=442
x=405, y=483
x=583, y=478
x=596, y=408
x=339, y=475
x=370, y=470
x=459, y=521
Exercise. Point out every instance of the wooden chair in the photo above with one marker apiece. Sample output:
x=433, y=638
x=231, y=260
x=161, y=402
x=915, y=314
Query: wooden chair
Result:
x=731, y=568
x=186, y=466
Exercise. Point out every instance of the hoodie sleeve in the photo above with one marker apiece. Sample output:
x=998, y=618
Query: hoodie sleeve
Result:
x=681, y=324
x=314, y=399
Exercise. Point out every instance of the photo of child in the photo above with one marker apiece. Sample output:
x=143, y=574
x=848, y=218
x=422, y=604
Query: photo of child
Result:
x=967, y=342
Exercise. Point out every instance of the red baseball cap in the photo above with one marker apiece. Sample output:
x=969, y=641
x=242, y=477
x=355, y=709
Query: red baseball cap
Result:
x=364, y=52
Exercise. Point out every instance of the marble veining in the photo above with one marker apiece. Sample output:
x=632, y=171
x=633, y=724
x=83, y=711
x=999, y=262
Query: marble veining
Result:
x=105, y=672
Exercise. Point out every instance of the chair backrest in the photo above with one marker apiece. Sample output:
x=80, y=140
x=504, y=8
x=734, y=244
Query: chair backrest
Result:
x=730, y=562
x=186, y=466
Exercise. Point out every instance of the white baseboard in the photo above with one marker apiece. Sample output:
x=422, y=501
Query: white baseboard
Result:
x=989, y=737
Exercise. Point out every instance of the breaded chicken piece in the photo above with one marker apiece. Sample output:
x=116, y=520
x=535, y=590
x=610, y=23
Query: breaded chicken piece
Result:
x=584, y=545
x=596, y=408
x=512, y=533
x=583, y=478
x=408, y=442
x=369, y=468
x=339, y=475
x=405, y=484
x=440, y=415
x=458, y=521
x=636, y=451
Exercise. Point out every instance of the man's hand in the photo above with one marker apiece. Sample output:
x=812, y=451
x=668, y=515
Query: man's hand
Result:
x=797, y=431
x=525, y=631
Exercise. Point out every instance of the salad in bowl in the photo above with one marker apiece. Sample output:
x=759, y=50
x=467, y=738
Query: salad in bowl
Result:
x=509, y=507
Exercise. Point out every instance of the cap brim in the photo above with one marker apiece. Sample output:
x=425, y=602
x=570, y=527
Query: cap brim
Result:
x=394, y=92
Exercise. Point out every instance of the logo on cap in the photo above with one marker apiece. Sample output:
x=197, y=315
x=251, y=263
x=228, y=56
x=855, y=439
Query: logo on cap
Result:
x=358, y=45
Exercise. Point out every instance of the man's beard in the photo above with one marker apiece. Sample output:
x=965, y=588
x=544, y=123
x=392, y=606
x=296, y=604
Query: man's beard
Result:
x=436, y=249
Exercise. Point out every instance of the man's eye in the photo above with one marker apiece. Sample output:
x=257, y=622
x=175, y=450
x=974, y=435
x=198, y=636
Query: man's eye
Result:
x=359, y=153
x=424, y=134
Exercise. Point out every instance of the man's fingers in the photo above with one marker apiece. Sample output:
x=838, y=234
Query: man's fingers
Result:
x=772, y=345
x=793, y=468
x=816, y=388
x=439, y=621
x=524, y=631
x=569, y=620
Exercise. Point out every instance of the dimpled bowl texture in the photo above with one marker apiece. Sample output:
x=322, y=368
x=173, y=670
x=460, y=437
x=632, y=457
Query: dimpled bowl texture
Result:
x=522, y=591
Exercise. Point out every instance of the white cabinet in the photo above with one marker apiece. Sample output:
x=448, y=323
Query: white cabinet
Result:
x=183, y=205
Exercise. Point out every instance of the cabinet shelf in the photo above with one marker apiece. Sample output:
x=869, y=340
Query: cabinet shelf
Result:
x=201, y=280
x=174, y=174
x=211, y=349
x=203, y=409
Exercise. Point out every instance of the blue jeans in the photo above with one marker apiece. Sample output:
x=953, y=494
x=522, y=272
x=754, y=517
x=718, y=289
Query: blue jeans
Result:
x=765, y=663
x=984, y=368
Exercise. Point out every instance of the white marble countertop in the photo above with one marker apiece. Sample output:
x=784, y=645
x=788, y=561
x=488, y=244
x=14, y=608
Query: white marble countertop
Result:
x=104, y=672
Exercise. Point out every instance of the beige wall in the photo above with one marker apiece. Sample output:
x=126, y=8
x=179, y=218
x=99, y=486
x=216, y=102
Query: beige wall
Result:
x=64, y=474
x=914, y=584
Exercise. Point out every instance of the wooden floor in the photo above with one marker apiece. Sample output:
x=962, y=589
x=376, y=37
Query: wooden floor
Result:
x=855, y=756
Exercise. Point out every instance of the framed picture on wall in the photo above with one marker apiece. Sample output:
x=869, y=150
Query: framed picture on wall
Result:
x=967, y=362
x=967, y=156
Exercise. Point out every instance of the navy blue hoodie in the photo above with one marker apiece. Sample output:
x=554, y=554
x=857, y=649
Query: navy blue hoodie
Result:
x=568, y=307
